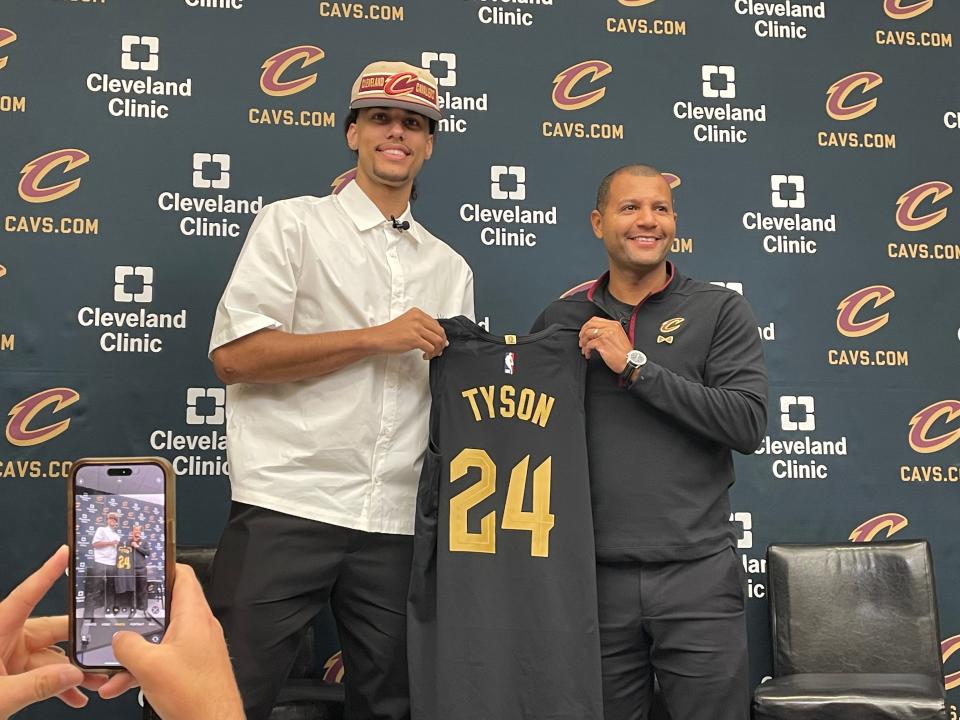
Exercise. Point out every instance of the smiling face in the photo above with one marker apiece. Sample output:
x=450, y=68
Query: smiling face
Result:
x=637, y=223
x=392, y=145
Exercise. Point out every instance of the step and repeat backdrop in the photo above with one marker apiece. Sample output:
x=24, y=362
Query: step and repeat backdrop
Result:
x=812, y=147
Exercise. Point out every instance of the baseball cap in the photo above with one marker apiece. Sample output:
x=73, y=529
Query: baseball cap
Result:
x=389, y=83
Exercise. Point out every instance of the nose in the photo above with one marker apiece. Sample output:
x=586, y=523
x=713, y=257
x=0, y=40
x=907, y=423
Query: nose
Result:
x=645, y=217
x=395, y=129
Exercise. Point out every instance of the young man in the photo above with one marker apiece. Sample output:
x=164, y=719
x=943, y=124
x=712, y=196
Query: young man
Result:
x=675, y=381
x=101, y=578
x=323, y=335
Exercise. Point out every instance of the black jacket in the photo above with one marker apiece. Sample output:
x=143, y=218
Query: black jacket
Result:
x=660, y=460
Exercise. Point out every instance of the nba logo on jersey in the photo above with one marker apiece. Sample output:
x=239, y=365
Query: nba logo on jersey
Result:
x=508, y=362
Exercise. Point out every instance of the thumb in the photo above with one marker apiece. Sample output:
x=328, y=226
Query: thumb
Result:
x=129, y=648
x=19, y=691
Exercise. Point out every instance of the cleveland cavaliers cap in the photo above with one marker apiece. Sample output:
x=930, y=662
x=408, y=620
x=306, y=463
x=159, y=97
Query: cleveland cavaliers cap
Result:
x=388, y=83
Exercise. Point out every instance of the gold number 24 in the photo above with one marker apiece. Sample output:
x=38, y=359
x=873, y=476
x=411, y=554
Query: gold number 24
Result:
x=538, y=522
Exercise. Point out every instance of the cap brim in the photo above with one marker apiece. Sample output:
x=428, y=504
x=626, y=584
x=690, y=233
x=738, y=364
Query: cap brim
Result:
x=389, y=102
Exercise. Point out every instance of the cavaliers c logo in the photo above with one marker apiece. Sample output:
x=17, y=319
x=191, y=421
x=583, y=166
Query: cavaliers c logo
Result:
x=867, y=531
x=840, y=91
x=31, y=186
x=922, y=423
x=343, y=179
x=906, y=9
x=948, y=647
x=908, y=203
x=20, y=433
x=672, y=180
x=400, y=84
x=847, y=323
x=333, y=668
x=7, y=36
x=564, y=83
x=276, y=65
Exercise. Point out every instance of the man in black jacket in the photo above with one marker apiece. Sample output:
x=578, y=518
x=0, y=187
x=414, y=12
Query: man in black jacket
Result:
x=675, y=381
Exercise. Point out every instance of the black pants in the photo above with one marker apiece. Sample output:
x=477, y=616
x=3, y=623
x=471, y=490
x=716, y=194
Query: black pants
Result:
x=99, y=589
x=274, y=572
x=683, y=621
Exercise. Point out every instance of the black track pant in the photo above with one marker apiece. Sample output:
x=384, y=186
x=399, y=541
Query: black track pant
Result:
x=274, y=572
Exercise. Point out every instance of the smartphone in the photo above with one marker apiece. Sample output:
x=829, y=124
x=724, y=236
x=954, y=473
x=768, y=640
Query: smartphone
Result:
x=122, y=554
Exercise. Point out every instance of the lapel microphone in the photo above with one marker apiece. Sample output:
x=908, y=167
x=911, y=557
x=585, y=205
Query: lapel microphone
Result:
x=401, y=226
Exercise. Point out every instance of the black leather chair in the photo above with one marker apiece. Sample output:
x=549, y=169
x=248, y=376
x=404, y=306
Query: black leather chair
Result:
x=305, y=695
x=855, y=633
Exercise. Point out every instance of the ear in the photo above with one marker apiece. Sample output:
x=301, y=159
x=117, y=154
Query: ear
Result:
x=352, y=139
x=596, y=220
x=428, y=151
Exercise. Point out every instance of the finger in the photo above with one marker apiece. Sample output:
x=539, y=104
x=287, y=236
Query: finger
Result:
x=437, y=340
x=19, y=691
x=74, y=698
x=188, y=596
x=46, y=656
x=46, y=631
x=117, y=685
x=16, y=608
x=92, y=681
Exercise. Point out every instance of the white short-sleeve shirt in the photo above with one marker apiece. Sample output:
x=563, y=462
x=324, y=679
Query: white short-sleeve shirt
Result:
x=106, y=555
x=345, y=448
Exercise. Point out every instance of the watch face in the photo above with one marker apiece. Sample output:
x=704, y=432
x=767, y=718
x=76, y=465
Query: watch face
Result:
x=636, y=357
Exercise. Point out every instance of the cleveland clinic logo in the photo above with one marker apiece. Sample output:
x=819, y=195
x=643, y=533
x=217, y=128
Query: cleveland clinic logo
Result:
x=719, y=122
x=502, y=177
x=206, y=406
x=505, y=220
x=131, y=329
x=20, y=430
x=135, y=95
x=444, y=67
x=140, y=53
x=132, y=284
x=211, y=170
x=719, y=81
x=36, y=187
x=787, y=191
x=798, y=453
x=207, y=215
x=797, y=413
x=786, y=227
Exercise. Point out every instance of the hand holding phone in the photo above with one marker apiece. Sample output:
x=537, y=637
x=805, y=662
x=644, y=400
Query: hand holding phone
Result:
x=32, y=668
x=189, y=674
x=122, y=551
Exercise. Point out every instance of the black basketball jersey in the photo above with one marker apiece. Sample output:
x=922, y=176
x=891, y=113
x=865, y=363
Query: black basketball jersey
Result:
x=124, y=574
x=502, y=611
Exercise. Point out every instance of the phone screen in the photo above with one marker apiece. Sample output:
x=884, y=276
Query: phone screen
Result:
x=118, y=561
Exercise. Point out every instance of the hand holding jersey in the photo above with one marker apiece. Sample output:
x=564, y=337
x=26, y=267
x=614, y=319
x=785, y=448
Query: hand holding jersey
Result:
x=608, y=339
x=414, y=330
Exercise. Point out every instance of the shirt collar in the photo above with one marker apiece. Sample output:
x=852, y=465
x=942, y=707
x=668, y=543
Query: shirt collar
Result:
x=366, y=216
